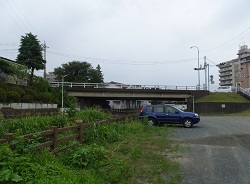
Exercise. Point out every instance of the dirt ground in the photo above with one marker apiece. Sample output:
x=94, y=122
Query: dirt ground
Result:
x=216, y=151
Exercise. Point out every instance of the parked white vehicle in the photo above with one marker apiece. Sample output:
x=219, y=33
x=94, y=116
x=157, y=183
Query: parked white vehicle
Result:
x=225, y=89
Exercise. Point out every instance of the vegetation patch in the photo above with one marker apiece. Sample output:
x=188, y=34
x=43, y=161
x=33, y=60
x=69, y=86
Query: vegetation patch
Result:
x=130, y=152
x=222, y=97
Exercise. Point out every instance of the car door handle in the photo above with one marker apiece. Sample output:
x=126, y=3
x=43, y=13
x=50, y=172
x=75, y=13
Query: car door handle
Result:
x=167, y=114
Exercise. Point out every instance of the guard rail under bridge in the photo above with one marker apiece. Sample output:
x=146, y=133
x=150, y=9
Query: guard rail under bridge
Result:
x=120, y=91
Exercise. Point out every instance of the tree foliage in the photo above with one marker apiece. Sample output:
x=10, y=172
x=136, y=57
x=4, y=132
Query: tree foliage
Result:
x=30, y=54
x=14, y=69
x=41, y=85
x=5, y=67
x=77, y=71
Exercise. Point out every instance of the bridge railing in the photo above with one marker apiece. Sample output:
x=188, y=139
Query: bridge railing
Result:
x=123, y=86
x=245, y=91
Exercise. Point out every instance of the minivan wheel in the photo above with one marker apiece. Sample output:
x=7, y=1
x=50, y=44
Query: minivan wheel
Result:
x=187, y=123
x=151, y=121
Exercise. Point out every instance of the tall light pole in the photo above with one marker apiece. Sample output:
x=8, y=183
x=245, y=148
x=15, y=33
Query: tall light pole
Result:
x=198, y=66
x=62, y=90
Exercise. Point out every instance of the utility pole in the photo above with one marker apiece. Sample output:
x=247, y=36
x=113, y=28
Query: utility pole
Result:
x=205, y=68
x=44, y=57
x=208, y=75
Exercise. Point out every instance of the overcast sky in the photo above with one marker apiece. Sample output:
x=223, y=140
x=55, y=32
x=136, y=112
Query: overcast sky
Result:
x=134, y=41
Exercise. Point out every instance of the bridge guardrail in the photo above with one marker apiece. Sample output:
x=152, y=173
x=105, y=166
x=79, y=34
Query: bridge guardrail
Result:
x=123, y=86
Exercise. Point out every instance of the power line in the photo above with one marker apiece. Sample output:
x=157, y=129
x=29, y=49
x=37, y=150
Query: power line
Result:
x=9, y=44
x=24, y=16
x=228, y=41
x=8, y=49
x=12, y=17
x=101, y=60
x=17, y=15
x=211, y=62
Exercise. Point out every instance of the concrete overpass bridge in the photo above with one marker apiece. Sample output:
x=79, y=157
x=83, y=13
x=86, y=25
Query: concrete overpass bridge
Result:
x=89, y=93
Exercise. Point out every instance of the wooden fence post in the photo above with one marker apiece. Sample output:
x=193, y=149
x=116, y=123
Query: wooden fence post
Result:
x=9, y=138
x=80, y=130
x=53, y=138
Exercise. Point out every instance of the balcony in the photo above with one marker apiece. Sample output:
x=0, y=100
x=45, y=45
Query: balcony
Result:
x=225, y=74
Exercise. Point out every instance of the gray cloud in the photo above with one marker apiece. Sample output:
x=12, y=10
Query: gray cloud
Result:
x=134, y=41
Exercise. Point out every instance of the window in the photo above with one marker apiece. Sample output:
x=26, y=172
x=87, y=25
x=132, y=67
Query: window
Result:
x=159, y=109
x=149, y=109
x=170, y=109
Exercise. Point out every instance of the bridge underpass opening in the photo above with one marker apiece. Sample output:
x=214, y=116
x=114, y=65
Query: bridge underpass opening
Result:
x=125, y=103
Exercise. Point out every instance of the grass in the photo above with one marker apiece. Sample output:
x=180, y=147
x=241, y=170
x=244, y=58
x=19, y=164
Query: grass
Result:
x=222, y=97
x=147, y=154
x=225, y=97
x=131, y=152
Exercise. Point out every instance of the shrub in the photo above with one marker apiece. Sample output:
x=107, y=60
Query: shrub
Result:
x=13, y=96
x=3, y=95
x=3, y=85
x=27, y=98
x=88, y=156
x=39, y=84
x=44, y=97
x=29, y=91
x=18, y=90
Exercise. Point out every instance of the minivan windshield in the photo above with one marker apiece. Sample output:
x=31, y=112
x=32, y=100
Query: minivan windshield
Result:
x=178, y=109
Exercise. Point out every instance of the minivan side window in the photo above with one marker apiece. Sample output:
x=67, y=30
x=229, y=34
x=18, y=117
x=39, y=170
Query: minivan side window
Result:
x=159, y=109
x=149, y=109
x=170, y=109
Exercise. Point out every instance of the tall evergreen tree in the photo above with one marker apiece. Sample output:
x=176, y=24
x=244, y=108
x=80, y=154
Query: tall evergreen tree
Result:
x=30, y=54
x=98, y=69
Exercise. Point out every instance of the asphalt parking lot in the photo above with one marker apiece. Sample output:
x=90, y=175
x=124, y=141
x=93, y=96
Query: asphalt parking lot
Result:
x=217, y=150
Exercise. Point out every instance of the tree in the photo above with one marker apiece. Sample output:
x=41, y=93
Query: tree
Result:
x=99, y=73
x=30, y=54
x=19, y=72
x=5, y=67
x=77, y=71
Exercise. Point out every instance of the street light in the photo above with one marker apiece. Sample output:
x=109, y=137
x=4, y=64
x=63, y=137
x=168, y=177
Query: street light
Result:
x=62, y=89
x=198, y=66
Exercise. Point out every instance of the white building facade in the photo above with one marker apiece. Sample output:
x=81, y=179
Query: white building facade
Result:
x=236, y=72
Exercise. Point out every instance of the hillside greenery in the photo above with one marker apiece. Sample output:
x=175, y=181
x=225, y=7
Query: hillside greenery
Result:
x=39, y=92
x=222, y=97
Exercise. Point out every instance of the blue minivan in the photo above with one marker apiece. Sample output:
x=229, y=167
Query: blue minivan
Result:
x=167, y=114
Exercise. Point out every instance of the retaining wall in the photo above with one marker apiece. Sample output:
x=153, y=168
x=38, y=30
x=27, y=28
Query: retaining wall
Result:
x=27, y=106
x=220, y=107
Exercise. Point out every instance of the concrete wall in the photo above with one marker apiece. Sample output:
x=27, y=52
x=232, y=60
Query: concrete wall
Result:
x=220, y=107
x=18, y=113
x=28, y=106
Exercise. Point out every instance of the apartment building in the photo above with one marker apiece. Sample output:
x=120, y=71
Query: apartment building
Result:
x=235, y=72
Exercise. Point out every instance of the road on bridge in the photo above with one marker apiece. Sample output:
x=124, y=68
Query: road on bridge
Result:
x=217, y=151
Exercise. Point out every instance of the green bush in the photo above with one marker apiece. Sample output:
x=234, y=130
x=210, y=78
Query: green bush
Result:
x=3, y=95
x=18, y=90
x=29, y=91
x=39, y=84
x=45, y=97
x=27, y=98
x=91, y=114
x=3, y=85
x=13, y=96
x=88, y=156
x=25, y=168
